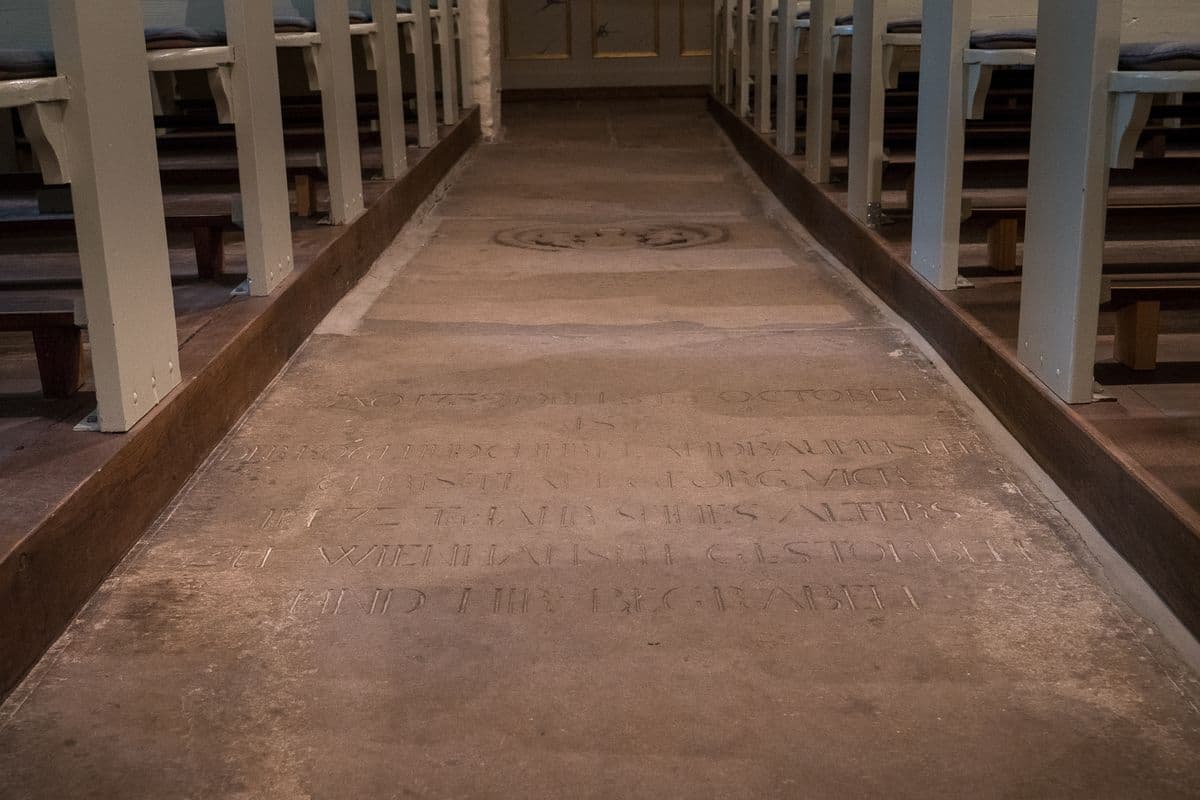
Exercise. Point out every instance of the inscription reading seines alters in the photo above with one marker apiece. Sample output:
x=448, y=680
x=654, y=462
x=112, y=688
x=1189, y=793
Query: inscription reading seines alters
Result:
x=401, y=601
x=630, y=515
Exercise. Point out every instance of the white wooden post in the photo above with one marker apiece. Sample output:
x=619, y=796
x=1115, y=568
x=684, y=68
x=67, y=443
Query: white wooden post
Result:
x=339, y=111
x=258, y=128
x=1078, y=44
x=100, y=49
x=466, y=61
x=762, y=90
x=389, y=87
x=785, y=81
x=864, y=189
x=818, y=119
x=422, y=50
x=743, y=58
x=446, y=50
x=941, y=133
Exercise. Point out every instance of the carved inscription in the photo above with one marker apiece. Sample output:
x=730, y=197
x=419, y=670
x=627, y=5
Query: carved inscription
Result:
x=483, y=555
x=546, y=516
x=821, y=396
x=362, y=603
x=799, y=449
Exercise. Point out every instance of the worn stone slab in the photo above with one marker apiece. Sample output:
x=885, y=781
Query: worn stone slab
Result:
x=543, y=528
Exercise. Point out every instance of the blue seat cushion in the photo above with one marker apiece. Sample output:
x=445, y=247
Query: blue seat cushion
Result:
x=910, y=25
x=1160, y=56
x=359, y=16
x=1021, y=39
x=294, y=25
x=17, y=64
x=171, y=38
x=405, y=6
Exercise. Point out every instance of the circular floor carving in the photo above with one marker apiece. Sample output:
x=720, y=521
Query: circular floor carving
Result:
x=623, y=236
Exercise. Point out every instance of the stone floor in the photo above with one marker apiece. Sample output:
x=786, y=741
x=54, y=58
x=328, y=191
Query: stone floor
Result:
x=606, y=483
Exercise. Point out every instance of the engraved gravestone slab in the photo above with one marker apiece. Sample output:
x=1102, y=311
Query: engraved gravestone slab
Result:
x=485, y=555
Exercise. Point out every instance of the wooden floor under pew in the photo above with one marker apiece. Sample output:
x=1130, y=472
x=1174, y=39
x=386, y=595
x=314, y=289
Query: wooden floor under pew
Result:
x=1143, y=490
x=74, y=502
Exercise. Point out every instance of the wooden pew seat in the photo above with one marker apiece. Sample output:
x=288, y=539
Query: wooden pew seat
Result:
x=208, y=235
x=57, y=340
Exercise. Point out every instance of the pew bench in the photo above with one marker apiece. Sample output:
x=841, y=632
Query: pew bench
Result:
x=1138, y=301
x=208, y=235
x=57, y=341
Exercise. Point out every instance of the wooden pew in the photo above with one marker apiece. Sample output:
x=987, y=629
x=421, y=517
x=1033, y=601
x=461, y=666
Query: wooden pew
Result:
x=1079, y=93
x=320, y=30
x=207, y=230
x=92, y=118
x=243, y=75
x=415, y=22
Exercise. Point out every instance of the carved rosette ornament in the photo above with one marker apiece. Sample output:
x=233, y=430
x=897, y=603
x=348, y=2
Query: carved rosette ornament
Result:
x=623, y=236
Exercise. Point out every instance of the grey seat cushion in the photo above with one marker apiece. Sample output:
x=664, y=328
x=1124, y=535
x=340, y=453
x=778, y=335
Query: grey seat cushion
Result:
x=17, y=64
x=1021, y=39
x=1160, y=56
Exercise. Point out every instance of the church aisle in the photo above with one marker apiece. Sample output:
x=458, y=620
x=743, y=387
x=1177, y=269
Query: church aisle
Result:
x=606, y=485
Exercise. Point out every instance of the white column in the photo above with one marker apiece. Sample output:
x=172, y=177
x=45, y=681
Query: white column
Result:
x=486, y=52
x=941, y=133
x=389, y=87
x=258, y=126
x=339, y=111
x=101, y=50
x=865, y=180
x=818, y=120
x=785, y=81
x=1078, y=44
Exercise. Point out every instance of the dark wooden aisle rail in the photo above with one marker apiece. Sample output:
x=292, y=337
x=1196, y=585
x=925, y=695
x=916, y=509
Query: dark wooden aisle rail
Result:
x=1157, y=533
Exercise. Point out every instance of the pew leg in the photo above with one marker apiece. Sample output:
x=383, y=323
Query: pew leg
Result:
x=338, y=112
x=1137, y=335
x=209, y=243
x=60, y=360
x=1002, y=245
x=119, y=221
x=254, y=85
x=1155, y=146
x=306, y=196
